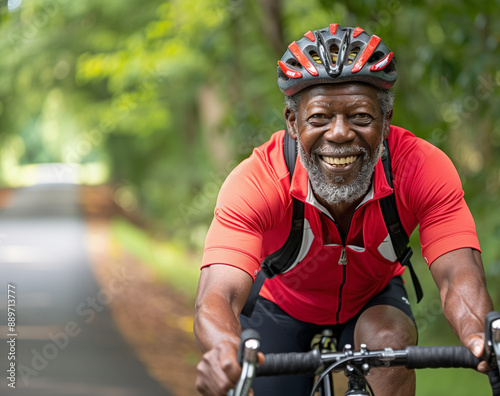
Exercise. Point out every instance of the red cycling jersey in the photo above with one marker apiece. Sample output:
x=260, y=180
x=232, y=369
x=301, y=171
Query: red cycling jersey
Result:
x=254, y=211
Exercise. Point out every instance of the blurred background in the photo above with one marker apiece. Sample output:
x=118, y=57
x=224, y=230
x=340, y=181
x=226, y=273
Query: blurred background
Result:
x=145, y=107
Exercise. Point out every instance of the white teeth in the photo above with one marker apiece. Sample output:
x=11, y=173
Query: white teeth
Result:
x=340, y=161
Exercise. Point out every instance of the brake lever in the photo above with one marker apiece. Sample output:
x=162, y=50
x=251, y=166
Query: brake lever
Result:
x=492, y=338
x=247, y=356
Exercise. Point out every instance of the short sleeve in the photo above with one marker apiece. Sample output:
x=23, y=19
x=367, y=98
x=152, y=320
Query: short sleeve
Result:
x=252, y=203
x=436, y=197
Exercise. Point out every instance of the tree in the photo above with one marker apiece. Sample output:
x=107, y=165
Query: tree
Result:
x=172, y=95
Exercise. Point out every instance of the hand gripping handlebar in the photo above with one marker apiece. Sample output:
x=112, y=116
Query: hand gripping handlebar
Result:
x=247, y=356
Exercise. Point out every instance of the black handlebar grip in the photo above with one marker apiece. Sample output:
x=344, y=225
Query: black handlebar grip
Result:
x=441, y=357
x=494, y=382
x=294, y=363
x=249, y=334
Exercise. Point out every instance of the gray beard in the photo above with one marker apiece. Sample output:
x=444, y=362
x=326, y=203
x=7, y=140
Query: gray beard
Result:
x=328, y=188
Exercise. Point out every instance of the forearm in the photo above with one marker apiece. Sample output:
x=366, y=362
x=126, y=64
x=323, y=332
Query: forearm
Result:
x=464, y=296
x=465, y=305
x=215, y=322
x=222, y=292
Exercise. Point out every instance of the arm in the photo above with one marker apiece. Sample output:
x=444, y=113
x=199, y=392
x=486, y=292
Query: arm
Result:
x=222, y=292
x=460, y=278
x=253, y=200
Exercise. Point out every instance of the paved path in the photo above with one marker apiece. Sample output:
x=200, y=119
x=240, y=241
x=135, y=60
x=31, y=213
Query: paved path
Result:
x=66, y=343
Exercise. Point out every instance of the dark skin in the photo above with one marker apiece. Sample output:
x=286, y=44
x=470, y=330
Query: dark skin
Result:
x=350, y=118
x=339, y=115
x=222, y=292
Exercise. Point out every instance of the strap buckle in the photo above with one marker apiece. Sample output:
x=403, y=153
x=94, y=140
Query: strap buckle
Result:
x=406, y=256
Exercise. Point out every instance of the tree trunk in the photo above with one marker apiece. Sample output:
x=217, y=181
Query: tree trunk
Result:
x=212, y=113
x=272, y=24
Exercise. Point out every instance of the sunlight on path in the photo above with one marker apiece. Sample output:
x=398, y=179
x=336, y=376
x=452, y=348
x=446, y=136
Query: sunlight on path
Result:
x=65, y=342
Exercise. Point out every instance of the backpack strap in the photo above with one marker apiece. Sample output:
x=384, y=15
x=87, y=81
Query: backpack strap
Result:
x=279, y=261
x=398, y=235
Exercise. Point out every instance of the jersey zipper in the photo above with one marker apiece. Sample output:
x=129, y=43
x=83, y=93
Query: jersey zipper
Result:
x=343, y=263
x=343, y=255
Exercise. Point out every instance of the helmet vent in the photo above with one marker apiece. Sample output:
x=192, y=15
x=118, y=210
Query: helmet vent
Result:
x=315, y=57
x=391, y=68
x=282, y=76
x=293, y=63
x=352, y=56
x=334, y=52
x=376, y=57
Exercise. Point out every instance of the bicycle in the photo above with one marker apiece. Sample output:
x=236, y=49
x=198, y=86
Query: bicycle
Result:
x=356, y=364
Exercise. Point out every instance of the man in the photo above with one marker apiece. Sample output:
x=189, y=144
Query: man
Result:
x=338, y=110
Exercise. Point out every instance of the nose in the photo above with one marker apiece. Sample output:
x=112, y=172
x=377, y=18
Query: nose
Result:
x=340, y=130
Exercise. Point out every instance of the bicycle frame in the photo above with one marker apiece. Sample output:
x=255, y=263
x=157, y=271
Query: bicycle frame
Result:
x=325, y=344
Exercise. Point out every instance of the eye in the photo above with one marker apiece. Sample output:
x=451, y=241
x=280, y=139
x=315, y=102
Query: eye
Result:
x=362, y=119
x=318, y=119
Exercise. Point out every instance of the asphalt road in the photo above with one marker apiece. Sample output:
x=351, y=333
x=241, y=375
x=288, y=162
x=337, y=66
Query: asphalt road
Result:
x=65, y=342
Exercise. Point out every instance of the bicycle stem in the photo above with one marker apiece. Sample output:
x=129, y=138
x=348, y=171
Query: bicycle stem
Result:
x=387, y=357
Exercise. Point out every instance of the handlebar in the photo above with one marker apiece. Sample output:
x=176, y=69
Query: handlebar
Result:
x=413, y=357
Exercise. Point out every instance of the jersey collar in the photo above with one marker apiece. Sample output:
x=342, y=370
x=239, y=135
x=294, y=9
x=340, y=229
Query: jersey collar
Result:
x=302, y=190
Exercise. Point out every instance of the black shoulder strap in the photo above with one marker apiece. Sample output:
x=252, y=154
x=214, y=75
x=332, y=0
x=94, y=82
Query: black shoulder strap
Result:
x=290, y=152
x=398, y=235
x=279, y=261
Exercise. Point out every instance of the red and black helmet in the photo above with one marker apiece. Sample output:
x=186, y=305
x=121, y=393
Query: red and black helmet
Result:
x=336, y=54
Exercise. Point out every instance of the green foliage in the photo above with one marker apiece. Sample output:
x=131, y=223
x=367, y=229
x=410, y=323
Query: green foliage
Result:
x=171, y=95
x=459, y=382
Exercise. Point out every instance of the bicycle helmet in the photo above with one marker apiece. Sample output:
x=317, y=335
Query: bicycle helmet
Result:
x=336, y=54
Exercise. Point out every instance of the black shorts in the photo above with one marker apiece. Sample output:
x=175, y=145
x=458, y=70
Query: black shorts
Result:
x=282, y=333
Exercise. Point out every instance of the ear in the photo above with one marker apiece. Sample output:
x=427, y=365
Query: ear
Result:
x=291, y=123
x=387, y=123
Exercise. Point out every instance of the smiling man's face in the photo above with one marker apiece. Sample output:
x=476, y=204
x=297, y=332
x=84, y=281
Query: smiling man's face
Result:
x=340, y=130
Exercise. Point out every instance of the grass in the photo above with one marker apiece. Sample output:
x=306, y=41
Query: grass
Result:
x=171, y=263
x=456, y=382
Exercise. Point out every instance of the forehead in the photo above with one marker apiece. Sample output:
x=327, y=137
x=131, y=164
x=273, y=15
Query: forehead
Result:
x=340, y=94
